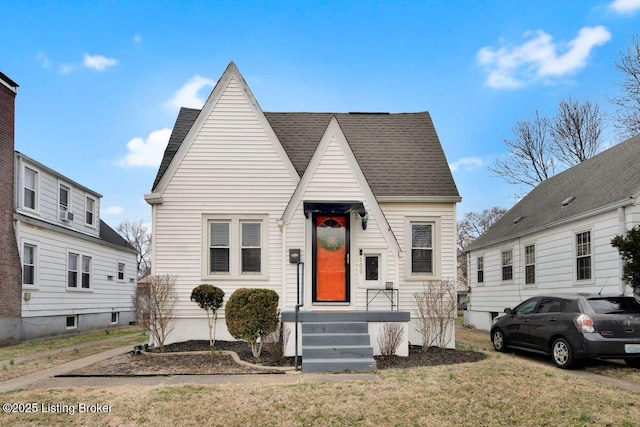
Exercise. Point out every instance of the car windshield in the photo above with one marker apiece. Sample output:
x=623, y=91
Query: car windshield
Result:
x=615, y=305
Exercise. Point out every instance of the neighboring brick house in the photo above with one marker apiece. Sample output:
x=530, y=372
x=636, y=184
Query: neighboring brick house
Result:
x=10, y=268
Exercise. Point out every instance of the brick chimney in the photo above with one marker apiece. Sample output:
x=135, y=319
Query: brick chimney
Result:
x=10, y=266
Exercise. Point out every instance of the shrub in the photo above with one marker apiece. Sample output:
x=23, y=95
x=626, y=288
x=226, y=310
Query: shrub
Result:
x=436, y=312
x=154, y=302
x=390, y=339
x=210, y=299
x=251, y=315
x=276, y=342
x=628, y=246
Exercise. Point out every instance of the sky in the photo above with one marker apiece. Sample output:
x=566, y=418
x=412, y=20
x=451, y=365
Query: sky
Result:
x=101, y=82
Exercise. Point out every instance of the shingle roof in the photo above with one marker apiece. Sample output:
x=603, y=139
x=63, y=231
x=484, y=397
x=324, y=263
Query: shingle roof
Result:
x=606, y=179
x=399, y=154
x=109, y=235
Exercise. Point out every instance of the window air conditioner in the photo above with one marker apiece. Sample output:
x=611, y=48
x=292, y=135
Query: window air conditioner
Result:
x=66, y=216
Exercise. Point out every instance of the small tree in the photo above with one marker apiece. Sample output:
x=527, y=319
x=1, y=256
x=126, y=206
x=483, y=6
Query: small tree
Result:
x=251, y=315
x=154, y=302
x=436, y=311
x=390, y=338
x=629, y=248
x=210, y=299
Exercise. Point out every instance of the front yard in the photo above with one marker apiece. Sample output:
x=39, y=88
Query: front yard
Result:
x=503, y=389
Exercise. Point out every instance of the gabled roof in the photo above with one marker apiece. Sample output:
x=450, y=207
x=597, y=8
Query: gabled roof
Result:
x=605, y=181
x=110, y=235
x=399, y=154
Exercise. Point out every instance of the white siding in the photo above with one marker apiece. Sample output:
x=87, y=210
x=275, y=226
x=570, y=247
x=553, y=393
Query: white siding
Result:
x=47, y=204
x=51, y=297
x=232, y=168
x=555, y=265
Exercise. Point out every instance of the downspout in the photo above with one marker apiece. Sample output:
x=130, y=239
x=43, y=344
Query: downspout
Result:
x=622, y=229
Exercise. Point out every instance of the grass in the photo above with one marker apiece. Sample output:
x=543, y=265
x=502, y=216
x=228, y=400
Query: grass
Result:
x=503, y=391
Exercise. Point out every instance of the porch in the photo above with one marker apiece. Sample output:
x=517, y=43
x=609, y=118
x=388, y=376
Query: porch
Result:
x=335, y=341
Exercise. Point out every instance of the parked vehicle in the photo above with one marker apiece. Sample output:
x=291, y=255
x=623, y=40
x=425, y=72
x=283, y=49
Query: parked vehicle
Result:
x=570, y=327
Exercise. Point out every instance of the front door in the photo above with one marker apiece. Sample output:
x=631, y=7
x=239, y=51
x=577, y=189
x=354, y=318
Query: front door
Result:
x=330, y=257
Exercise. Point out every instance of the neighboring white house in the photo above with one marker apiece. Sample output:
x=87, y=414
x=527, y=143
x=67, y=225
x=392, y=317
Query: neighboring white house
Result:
x=77, y=272
x=558, y=237
x=364, y=200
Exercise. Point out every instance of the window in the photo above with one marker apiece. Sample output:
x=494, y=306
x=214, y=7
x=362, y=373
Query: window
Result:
x=421, y=248
x=78, y=271
x=72, y=322
x=86, y=272
x=530, y=264
x=526, y=307
x=28, y=265
x=480, y=269
x=507, y=265
x=90, y=209
x=72, y=271
x=250, y=251
x=234, y=246
x=65, y=198
x=30, y=188
x=371, y=267
x=583, y=256
x=219, y=247
x=552, y=305
x=114, y=318
x=121, y=270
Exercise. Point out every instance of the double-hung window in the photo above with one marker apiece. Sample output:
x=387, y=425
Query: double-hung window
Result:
x=530, y=264
x=78, y=271
x=480, y=269
x=235, y=246
x=421, y=248
x=90, y=211
x=29, y=265
x=30, y=188
x=64, y=197
x=121, y=271
x=86, y=272
x=72, y=270
x=583, y=256
x=507, y=265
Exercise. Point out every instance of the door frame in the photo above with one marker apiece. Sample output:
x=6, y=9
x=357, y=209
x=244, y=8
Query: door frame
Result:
x=347, y=275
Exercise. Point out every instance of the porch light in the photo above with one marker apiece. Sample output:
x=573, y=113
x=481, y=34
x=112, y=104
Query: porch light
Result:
x=365, y=218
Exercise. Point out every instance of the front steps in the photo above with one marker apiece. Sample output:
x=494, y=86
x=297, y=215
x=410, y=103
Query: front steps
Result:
x=336, y=347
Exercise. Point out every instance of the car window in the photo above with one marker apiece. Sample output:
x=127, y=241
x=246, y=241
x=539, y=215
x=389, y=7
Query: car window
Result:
x=552, y=305
x=526, y=307
x=614, y=305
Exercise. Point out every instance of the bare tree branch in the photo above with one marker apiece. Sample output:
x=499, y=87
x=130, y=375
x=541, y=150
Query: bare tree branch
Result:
x=139, y=237
x=628, y=113
x=576, y=130
x=530, y=161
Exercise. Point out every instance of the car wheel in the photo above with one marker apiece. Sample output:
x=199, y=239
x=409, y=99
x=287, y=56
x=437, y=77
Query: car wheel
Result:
x=562, y=354
x=499, y=342
x=634, y=363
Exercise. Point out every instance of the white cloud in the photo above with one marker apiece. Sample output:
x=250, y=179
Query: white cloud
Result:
x=114, y=210
x=137, y=40
x=625, y=6
x=66, y=69
x=147, y=152
x=469, y=163
x=44, y=60
x=98, y=62
x=538, y=58
x=187, y=95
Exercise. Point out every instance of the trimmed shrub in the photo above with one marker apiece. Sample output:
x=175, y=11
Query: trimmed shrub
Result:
x=251, y=315
x=210, y=299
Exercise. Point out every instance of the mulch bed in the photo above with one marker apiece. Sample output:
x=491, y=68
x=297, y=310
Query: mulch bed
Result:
x=175, y=360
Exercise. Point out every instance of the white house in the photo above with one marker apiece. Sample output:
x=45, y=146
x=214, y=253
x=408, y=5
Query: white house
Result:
x=558, y=237
x=77, y=272
x=364, y=200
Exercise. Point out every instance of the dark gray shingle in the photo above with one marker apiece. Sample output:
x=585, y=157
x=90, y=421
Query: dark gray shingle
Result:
x=399, y=154
x=606, y=179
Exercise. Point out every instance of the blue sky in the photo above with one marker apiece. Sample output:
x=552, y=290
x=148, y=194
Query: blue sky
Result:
x=101, y=82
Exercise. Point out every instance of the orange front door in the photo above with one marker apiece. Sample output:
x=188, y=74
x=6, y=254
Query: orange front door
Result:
x=331, y=257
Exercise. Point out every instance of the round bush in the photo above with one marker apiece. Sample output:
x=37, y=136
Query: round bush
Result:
x=252, y=313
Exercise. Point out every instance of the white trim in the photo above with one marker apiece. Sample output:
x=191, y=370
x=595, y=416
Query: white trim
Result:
x=436, y=251
x=524, y=264
x=419, y=199
x=94, y=213
x=124, y=272
x=23, y=186
x=79, y=272
x=574, y=263
x=36, y=266
x=235, y=247
x=231, y=73
x=75, y=321
x=502, y=279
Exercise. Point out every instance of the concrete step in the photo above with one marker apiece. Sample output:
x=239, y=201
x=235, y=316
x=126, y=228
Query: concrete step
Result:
x=337, y=352
x=330, y=340
x=338, y=365
x=335, y=327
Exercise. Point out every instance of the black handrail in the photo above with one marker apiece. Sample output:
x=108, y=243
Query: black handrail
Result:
x=299, y=302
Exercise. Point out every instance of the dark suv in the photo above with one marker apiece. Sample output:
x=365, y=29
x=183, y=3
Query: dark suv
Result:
x=570, y=327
